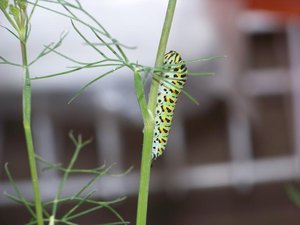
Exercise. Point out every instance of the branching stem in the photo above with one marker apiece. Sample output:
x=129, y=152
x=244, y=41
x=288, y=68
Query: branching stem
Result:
x=28, y=132
x=149, y=121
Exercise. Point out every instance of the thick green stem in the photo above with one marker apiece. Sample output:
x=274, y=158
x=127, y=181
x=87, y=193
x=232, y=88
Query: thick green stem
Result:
x=28, y=133
x=149, y=122
x=161, y=52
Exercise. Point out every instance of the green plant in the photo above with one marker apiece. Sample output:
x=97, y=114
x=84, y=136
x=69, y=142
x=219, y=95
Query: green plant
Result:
x=19, y=14
x=19, y=18
x=293, y=194
x=78, y=199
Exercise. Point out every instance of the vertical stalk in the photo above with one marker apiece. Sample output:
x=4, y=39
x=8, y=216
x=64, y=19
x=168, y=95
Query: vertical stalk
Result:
x=141, y=218
x=28, y=131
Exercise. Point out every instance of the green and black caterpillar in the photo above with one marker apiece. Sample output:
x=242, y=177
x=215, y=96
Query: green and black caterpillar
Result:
x=170, y=87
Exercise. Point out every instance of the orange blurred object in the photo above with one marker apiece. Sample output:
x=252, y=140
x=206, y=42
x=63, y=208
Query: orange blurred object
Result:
x=285, y=7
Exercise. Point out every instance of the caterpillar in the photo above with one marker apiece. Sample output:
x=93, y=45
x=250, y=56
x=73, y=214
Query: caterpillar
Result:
x=170, y=86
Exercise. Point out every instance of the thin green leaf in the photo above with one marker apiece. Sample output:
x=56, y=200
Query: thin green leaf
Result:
x=91, y=182
x=72, y=210
x=10, y=31
x=108, y=46
x=17, y=200
x=114, y=41
x=85, y=212
x=78, y=3
x=106, y=33
x=76, y=61
x=117, y=200
x=78, y=147
x=69, y=4
x=164, y=80
x=166, y=67
x=68, y=16
x=5, y=61
x=103, y=30
x=66, y=8
x=91, y=201
x=99, y=65
x=50, y=47
x=201, y=74
x=28, y=31
x=123, y=173
x=48, y=164
x=46, y=212
x=294, y=194
x=122, y=53
x=17, y=191
x=21, y=201
x=86, y=142
x=95, y=171
x=205, y=59
x=32, y=11
x=72, y=137
x=85, y=63
x=190, y=97
x=69, y=58
x=61, y=73
x=87, y=41
x=61, y=2
x=117, y=43
x=93, y=81
x=146, y=76
x=58, y=74
x=117, y=215
x=52, y=10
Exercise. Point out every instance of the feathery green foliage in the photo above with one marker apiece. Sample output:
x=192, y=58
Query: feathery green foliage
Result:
x=111, y=57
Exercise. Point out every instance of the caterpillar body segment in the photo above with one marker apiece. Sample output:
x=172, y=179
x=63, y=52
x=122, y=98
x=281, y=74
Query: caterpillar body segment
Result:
x=170, y=87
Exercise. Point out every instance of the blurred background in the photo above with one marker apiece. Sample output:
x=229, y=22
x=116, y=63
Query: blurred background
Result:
x=228, y=161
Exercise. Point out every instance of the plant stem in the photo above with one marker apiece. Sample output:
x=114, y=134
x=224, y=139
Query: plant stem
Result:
x=149, y=122
x=161, y=52
x=28, y=132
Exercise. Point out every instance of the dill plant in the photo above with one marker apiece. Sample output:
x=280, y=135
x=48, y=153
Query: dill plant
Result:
x=113, y=58
x=18, y=14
